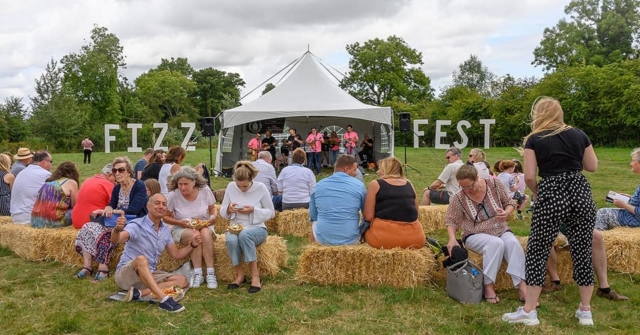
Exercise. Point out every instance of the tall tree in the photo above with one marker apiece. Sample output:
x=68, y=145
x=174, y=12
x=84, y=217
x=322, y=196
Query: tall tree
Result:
x=179, y=64
x=473, y=75
x=91, y=75
x=384, y=70
x=166, y=94
x=47, y=86
x=216, y=90
x=14, y=113
x=600, y=32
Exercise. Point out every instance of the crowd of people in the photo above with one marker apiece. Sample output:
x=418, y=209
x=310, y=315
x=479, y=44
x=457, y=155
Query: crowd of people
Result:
x=153, y=205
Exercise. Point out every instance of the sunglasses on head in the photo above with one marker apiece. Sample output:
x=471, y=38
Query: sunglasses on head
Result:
x=121, y=170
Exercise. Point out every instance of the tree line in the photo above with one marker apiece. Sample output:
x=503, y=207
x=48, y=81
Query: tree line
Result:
x=590, y=61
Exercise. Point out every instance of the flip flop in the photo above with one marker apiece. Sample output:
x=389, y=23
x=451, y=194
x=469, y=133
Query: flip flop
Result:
x=495, y=298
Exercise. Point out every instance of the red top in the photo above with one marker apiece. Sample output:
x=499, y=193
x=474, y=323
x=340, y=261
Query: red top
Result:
x=95, y=193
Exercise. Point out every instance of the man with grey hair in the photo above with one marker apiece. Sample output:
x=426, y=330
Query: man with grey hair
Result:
x=26, y=186
x=434, y=193
x=267, y=176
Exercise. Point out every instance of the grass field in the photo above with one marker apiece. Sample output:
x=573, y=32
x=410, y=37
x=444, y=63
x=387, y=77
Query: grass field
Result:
x=43, y=298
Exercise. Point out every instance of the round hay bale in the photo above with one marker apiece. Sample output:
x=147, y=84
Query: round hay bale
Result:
x=294, y=222
x=432, y=217
x=623, y=249
x=364, y=265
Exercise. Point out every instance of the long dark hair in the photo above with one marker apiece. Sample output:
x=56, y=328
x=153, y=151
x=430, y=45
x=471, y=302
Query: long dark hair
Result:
x=65, y=170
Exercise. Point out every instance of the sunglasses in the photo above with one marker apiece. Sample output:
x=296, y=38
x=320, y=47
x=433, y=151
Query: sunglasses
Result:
x=447, y=157
x=483, y=209
x=49, y=160
x=120, y=170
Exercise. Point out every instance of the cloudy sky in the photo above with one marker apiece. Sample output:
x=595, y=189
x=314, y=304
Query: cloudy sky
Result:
x=257, y=38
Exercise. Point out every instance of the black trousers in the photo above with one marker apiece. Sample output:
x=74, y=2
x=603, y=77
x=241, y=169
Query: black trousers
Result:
x=87, y=156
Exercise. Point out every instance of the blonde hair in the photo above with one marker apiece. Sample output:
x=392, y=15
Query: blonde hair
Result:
x=546, y=115
x=5, y=162
x=244, y=171
x=153, y=185
x=390, y=167
x=478, y=155
x=636, y=153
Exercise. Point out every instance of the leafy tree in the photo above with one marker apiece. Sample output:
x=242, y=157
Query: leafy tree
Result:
x=180, y=65
x=474, y=76
x=384, y=70
x=510, y=108
x=91, y=75
x=48, y=85
x=600, y=32
x=165, y=94
x=216, y=90
x=62, y=121
x=268, y=87
x=14, y=114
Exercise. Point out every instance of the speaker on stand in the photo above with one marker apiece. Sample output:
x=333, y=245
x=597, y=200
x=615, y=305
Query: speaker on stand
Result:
x=208, y=126
x=404, y=123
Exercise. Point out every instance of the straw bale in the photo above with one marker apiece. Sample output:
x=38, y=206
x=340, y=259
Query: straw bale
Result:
x=5, y=220
x=25, y=241
x=503, y=280
x=294, y=222
x=364, y=265
x=432, y=217
x=623, y=249
x=59, y=245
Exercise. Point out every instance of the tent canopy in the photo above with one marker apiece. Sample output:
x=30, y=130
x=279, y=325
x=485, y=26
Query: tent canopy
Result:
x=307, y=91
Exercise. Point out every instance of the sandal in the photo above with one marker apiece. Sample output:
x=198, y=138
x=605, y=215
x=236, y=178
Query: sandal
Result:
x=495, y=299
x=255, y=289
x=100, y=277
x=82, y=274
x=234, y=286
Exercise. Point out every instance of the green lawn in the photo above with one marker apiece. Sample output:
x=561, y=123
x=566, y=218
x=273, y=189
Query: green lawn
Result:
x=43, y=298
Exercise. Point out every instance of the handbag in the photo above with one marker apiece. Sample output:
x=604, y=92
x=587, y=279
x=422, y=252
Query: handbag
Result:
x=465, y=282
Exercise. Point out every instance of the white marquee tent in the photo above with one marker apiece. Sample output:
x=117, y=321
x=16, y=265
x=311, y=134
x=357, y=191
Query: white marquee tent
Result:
x=306, y=98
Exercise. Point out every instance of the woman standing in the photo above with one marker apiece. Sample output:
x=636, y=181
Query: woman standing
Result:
x=190, y=198
x=392, y=208
x=480, y=209
x=563, y=197
x=6, y=184
x=56, y=198
x=249, y=205
x=94, y=240
x=87, y=148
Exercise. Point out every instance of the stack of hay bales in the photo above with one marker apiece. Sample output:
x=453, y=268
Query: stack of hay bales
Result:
x=364, y=265
x=623, y=249
x=432, y=217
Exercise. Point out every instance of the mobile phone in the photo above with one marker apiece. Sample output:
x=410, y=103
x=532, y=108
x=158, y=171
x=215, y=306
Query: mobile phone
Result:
x=236, y=206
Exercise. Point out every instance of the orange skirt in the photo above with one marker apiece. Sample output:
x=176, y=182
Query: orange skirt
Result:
x=387, y=234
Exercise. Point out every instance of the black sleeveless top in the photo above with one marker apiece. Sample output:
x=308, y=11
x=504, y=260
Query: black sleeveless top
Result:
x=397, y=203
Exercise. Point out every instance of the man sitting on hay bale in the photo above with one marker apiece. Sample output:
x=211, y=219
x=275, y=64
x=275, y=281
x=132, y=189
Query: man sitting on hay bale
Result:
x=446, y=179
x=146, y=238
x=335, y=205
x=26, y=186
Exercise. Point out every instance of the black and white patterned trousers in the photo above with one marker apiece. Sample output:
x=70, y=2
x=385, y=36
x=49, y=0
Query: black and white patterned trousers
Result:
x=562, y=199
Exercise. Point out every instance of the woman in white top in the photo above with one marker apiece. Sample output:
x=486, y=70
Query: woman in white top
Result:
x=477, y=159
x=247, y=204
x=190, y=198
x=174, y=158
x=296, y=182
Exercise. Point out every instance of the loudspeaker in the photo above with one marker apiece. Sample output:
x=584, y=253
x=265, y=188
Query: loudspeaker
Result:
x=208, y=126
x=404, y=121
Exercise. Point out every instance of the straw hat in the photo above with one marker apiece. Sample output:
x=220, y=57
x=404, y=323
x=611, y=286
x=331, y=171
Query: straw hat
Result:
x=23, y=153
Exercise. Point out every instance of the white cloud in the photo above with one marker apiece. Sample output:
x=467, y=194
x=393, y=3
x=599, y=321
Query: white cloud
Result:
x=257, y=38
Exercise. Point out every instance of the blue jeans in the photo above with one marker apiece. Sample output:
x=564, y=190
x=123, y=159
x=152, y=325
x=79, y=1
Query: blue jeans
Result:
x=277, y=202
x=245, y=243
x=314, y=161
x=333, y=156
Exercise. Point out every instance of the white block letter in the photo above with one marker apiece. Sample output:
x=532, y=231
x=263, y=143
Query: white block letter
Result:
x=417, y=133
x=487, y=127
x=134, y=137
x=440, y=134
x=463, y=136
x=108, y=138
x=185, y=142
x=163, y=133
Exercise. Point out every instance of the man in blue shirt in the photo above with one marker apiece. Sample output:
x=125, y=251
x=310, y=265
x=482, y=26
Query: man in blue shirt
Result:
x=336, y=203
x=146, y=238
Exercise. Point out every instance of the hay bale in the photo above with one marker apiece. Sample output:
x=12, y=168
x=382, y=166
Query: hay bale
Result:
x=364, y=265
x=294, y=222
x=60, y=245
x=5, y=220
x=623, y=249
x=23, y=240
x=432, y=217
x=503, y=280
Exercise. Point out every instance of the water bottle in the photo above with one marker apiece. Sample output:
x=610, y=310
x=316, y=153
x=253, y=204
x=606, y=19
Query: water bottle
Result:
x=474, y=272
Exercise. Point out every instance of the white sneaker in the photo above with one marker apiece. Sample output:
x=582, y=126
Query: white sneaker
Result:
x=520, y=316
x=585, y=318
x=197, y=280
x=212, y=282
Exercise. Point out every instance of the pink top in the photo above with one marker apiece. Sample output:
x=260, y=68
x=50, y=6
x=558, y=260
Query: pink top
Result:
x=317, y=145
x=255, y=144
x=351, y=140
x=87, y=144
